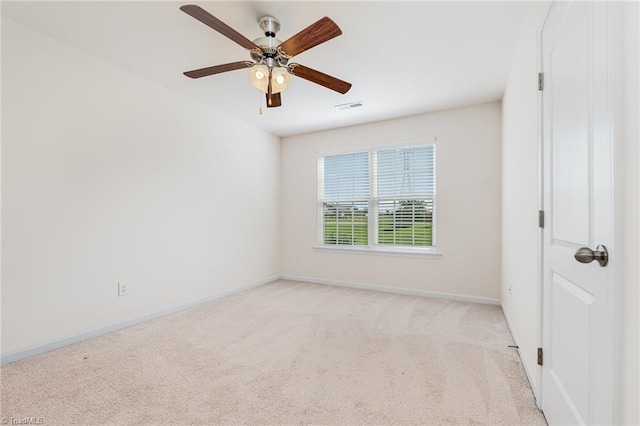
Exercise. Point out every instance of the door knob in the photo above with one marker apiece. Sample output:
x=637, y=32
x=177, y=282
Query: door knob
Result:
x=586, y=255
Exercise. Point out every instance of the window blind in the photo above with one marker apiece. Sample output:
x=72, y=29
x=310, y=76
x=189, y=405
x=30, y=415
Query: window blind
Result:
x=344, y=177
x=406, y=194
x=396, y=185
x=344, y=188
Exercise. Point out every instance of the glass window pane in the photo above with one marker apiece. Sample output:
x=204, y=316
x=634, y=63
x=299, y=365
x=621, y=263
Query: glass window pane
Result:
x=346, y=223
x=406, y=172
x=346, y=176
x=405, y=222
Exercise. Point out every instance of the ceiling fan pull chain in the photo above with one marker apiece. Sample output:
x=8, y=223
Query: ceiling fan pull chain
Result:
x=260, y=102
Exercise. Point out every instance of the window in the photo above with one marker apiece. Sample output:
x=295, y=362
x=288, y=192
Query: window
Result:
x=406, y=191
x=345, y=190
x=378, y=199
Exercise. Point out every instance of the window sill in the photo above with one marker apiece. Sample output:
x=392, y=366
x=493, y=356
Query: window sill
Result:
x=422, y=252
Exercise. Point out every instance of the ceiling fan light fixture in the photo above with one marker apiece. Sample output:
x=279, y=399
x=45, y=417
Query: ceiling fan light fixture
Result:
x=259, y=78
x=280, y=81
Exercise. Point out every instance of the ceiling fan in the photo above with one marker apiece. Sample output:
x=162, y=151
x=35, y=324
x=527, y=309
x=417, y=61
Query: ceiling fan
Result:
x=270, y=56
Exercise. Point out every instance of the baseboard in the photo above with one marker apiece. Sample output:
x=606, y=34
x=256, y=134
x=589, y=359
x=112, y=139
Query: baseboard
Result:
x=526, y=368
x=66, y=341
x=396, y=290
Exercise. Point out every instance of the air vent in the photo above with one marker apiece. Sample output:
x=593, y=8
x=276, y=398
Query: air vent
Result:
x=350, y=105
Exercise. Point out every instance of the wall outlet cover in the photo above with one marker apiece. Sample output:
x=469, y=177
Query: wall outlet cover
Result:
x=123, y=289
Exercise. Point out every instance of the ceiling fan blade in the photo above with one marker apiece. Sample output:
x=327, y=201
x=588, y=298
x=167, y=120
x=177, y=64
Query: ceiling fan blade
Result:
x=217, y=69
x=319, y=78
x=208, y=19
x=274, y=101
x=319, y=32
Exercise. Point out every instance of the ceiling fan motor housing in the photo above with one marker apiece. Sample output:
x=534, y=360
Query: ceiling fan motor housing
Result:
x=269, y=43
x=269, y=25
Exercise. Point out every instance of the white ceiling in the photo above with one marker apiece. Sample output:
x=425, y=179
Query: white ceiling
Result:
x=401, y=57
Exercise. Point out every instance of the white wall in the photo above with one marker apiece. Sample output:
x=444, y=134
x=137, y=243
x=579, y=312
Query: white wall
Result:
x=520, y=196
x=520, y=179
x=468, y=205
x=108, y=177
x=629, y=93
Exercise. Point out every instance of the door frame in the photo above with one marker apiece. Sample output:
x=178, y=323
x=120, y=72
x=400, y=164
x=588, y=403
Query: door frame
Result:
x=616, y=262
x=540, y=280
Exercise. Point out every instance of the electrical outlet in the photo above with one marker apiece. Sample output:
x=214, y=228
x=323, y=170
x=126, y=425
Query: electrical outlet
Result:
x=123, y=289
x=298, y=258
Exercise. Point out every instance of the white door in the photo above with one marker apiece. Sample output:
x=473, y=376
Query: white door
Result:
x=577, y=167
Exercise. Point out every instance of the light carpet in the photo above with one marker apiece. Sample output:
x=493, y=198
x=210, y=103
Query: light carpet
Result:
x=286, y=353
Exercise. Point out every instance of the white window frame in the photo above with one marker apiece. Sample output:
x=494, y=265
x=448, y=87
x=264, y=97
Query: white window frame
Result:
x=374, y=248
